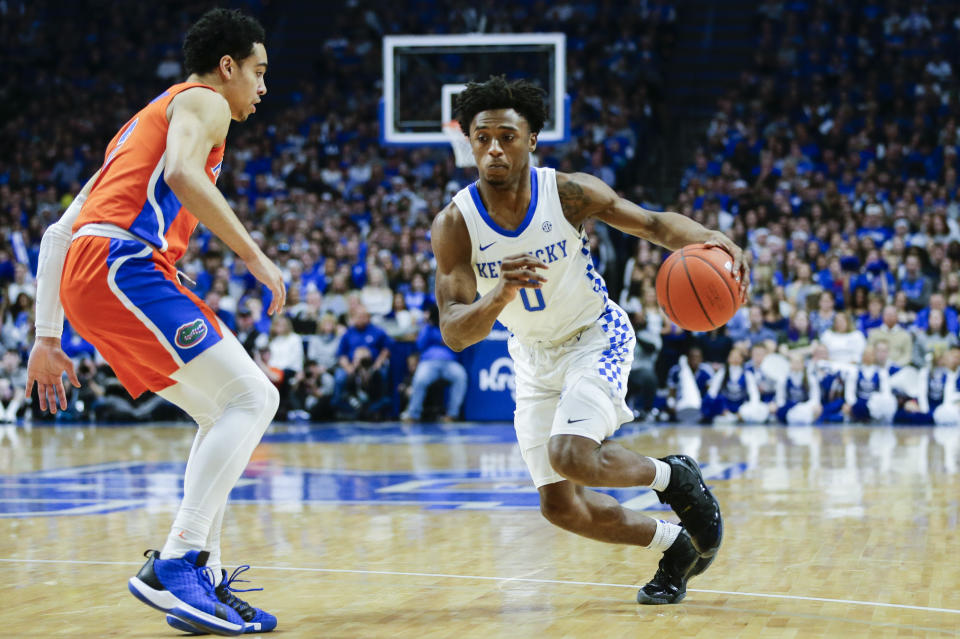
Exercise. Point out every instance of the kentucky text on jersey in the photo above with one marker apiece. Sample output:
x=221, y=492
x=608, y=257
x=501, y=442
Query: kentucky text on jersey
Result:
x=548, y=254
x=573, y=295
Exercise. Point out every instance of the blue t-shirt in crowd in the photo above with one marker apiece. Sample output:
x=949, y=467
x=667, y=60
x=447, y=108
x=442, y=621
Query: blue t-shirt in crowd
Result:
x=949, y=315
x=431, y=345
x=372, y=337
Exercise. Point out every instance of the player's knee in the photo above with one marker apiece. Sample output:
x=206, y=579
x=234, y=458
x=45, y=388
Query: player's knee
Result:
x=572, y=456
x=255, y=394
x=271, y=401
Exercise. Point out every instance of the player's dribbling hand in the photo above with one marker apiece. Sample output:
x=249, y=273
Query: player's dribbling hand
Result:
x=267, y=273
x=741, y=269
x=516, y=272
x=46, y=367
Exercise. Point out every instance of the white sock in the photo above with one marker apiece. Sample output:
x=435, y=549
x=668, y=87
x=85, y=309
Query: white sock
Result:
x=665, y=535
x=662, y=479
x=190, y=529
x=213, y=546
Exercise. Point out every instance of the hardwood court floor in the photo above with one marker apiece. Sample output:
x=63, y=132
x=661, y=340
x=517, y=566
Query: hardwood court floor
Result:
x=432, y=532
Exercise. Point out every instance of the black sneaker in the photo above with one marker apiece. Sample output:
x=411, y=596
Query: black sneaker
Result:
x=693, y=502
x=680, y=562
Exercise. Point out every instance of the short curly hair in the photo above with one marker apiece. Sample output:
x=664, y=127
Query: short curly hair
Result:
x=217, y=33
x=522, y=96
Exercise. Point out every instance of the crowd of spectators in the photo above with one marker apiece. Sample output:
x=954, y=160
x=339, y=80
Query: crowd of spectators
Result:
x=833, y=162
x=346, y=218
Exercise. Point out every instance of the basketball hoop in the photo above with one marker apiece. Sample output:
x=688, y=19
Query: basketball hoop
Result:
x=462, y=153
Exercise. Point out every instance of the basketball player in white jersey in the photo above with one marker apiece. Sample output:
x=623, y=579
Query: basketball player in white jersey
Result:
x=512, y=247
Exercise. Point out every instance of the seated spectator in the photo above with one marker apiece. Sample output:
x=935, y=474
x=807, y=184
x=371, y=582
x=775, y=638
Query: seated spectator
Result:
x=312, y=392
x=935, y=395
x=914, y=283
x=363, y=391
x=905, y=316
x=23, y=282
x=716, y=345
x=881, y=356
x=935, y=339
x=798, y=395
x=401, y=324
x=335, y=299
x=898, y=338
x=868, y=395
x=757, y=332
x=376, y=296
x=733, y=396
x=822, y=318
x=832, y=381
x=437, y=362
x=776, y=315
x=416, y=295
x=799, y=337
x=687, y=385
x=306, y=314
x=322, y=347
x=859, y=302
x=17, y=323
x=938, y=302
x=354, y=367
x=766, y=385
x=738, y=326
x=844, y=344
x=802, y=287
x=286, y=347
x=873, y=317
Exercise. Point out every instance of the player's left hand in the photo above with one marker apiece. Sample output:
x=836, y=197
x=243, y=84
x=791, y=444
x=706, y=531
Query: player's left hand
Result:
x=46, y=367
x=741, y=270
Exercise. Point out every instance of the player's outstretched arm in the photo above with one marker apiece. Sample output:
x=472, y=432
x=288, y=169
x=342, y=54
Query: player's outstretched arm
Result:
x=584, y=196
x=465, y=320
x=199, y=122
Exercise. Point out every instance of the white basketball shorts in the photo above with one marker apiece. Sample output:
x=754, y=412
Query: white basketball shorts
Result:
x=574, y=387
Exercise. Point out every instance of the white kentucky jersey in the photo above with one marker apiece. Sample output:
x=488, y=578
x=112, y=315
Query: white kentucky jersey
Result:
x=574, y=294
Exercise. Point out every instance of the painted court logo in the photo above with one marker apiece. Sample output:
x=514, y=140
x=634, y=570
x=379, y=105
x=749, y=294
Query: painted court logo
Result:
x=191, y=333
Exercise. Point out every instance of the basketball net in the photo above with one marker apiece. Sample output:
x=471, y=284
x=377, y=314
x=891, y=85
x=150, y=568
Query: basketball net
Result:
x=462, y=153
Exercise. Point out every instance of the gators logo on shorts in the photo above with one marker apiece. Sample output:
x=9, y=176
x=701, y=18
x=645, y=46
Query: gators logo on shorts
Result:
x=191, y=333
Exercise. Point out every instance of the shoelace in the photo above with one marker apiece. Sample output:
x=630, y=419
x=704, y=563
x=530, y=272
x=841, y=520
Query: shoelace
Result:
x=207, y=579
x=232, y=600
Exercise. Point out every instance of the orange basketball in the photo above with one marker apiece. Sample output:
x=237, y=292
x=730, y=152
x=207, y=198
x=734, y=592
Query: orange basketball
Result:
x=696, y=288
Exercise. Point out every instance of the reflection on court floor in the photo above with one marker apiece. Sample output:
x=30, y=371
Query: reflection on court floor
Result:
x=500, y=482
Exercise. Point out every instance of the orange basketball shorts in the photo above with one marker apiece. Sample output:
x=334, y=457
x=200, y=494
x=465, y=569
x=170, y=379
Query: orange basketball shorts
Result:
x=123, y=297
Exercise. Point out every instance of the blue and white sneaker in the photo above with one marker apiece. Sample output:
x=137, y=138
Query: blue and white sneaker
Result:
x=255, y=620
x=184, y=589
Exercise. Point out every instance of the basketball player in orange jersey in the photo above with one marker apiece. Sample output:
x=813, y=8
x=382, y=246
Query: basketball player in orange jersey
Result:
x=516, y=238
x=112, y=259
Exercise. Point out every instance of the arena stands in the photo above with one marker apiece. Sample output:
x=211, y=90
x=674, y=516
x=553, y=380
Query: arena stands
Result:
x=833, y=159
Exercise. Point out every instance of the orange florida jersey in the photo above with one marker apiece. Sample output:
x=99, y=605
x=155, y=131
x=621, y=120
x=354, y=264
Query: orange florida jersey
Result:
x=131, y=192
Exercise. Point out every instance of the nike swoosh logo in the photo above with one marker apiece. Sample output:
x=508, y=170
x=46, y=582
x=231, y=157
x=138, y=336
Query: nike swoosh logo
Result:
x=484, y=248
x=574, y=421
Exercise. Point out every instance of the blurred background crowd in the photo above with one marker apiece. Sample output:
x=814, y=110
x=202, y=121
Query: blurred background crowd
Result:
x=830, y=155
